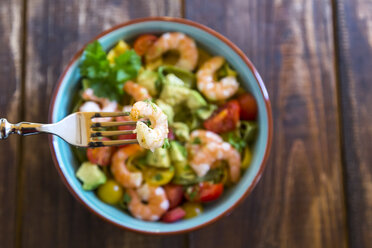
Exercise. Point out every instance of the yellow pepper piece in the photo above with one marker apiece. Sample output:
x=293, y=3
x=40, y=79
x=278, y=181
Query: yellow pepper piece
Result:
x=120, y=48
x=157, y=177
x=247, y=158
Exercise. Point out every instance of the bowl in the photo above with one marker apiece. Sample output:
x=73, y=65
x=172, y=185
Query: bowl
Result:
x=67, y=164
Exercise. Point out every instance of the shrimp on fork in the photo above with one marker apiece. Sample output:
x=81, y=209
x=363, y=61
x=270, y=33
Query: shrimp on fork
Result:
x=150, y=137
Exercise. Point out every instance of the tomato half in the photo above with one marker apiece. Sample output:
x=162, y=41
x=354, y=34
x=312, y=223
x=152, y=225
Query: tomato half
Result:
x=174, y=194
x=100, y=155
x=142, y=43
x=204, y=192
x=225, y=119
x=248, y=107
x=210, y=192
x=174, y=215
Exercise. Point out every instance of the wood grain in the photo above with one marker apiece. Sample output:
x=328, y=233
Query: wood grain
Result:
x=299, y=201
x=10, y=89
x=354, y=36
x=56, y=30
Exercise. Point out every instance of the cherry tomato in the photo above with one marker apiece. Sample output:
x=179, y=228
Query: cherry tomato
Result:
x=224, y=119
x=174, y=215
x=174, y=194
x=210, y=192
x=248, y=107
x=142, y=43
x=204, y=192
x=192, y=209
x=126, y=136
x=101, y=155
x=110, y=192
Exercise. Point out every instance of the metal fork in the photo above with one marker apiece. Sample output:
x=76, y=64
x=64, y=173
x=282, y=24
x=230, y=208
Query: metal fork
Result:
x=78, y=129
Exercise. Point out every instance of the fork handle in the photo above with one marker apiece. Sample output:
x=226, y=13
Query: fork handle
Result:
x=22, y=128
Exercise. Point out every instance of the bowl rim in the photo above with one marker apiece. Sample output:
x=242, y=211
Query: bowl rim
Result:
x=237, y=51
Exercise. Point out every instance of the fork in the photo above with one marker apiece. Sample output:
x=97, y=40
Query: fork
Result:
x=78, y=129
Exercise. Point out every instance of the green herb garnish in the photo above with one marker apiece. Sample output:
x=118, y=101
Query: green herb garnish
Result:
x=158, y=177
x=166, y=144
x=196, y=141
x=127, y=198
x=107, y=80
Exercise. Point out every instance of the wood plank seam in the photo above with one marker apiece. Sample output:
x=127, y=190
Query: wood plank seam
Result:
x=338, y=23
x=19, y=171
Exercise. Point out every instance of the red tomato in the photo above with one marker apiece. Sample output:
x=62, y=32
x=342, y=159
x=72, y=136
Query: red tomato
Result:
x=100, y=155
x=204, y=192
x=210, y=192
x=142, y=43
x=126, y=136
x=248, y=107
x=224, y=119
x=174, y=194
x=173, y=215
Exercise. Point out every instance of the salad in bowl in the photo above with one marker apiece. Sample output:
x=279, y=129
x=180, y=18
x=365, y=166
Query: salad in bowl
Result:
x=200, y=133
x=199, y=112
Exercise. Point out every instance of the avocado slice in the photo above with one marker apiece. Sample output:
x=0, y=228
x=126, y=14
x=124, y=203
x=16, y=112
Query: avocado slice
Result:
x=177, y=152
x=187, y=77
x=147, y=79
x=174, y=94
x=195, y=100
x=90, y=175
x=167, y=109
x=181, y=130
x=159, y=158
x=205, y=112
x=172, y=79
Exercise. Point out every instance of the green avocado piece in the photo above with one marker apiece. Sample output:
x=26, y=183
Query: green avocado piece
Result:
x=174, y=94
x=177, y=152
x=172, y=79
x=195, y=100
x=187, y=77
x=90, y=175
x=147, y=79
x=205, y=112
x=167, y=109
x=159, y=158
x=181, y=130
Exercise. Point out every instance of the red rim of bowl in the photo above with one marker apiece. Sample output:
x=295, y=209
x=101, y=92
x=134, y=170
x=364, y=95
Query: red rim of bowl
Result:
x=235, y=49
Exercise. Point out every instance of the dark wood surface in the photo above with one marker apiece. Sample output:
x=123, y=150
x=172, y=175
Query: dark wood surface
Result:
x=354, y=33
x=315, y=58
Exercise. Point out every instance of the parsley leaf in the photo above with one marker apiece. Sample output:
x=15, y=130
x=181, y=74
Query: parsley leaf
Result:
x=158, y=177
x=107, y=80
x=196, y=141
x=237, y=142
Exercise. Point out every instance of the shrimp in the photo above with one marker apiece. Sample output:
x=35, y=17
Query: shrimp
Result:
x=199, y=138
x=150, y=137
x=212, y=89
x=157, y=202
x=175, y=41
x=119, y=170
x=92, y=105
x=138, y=92
x=204, y=159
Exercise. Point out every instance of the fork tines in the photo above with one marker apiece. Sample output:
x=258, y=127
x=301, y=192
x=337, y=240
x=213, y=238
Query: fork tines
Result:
x=95, y=134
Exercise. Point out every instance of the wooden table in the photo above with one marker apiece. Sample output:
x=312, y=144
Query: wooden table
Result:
x=313, y=55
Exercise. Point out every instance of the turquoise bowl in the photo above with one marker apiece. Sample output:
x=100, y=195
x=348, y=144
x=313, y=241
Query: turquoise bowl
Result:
x=215, y=43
